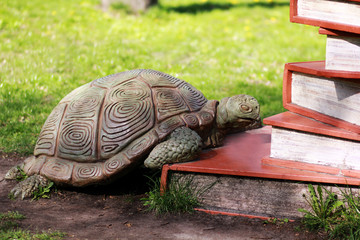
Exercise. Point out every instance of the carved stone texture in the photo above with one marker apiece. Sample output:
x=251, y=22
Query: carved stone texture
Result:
x=106, y=126
x=128, y=114
x=103, y=129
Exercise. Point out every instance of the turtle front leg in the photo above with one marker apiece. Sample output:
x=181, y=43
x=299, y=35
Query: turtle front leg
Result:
x=183, y=145
x=27, y=187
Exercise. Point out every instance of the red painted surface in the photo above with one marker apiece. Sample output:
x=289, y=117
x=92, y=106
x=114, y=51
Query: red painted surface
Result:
x=232, y=214
x=326, y=31
x=320, y=23
x=317, y=68
x=242, y=156
x=301, y=166
x=297, y=122
x=350, y=173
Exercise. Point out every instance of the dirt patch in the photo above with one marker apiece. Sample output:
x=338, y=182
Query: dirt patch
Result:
x=116, y=212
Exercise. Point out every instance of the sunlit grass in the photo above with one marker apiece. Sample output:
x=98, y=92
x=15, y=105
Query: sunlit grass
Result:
x=222, y=47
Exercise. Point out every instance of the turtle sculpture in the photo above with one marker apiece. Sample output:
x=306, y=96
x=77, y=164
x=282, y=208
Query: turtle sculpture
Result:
x=103, y=129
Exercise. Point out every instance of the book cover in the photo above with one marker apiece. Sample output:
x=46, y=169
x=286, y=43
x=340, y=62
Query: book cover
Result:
x=341, y=15
x=329, y=96
x=342, y=50
x=298, y=138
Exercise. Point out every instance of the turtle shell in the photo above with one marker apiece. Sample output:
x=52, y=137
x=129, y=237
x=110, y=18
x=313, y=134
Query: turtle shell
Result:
x=104, y=127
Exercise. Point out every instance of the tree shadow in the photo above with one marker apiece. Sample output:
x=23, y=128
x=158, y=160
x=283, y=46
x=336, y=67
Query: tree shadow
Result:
x=196, y=8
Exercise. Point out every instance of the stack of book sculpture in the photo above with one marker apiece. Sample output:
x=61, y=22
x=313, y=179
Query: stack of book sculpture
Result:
x=322, y=126
x=265, y=172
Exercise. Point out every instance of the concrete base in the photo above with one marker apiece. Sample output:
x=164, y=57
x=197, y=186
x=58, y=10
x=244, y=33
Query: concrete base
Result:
x=257, y=197
x=247, y=186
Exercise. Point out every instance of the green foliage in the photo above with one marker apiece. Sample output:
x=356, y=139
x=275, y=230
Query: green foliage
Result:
x=222, y=47
x=27, y=235
x=182, y=195
x=339, y=217
x=9, y=229
x=22, y=175
x=326, y=209
x=121, y=6
x=43, y=192
x=349, y=226
x=9, y=220
x=276, y=221
x=15, y=215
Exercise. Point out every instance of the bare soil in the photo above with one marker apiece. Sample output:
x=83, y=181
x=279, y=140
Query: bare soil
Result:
x=117, y=212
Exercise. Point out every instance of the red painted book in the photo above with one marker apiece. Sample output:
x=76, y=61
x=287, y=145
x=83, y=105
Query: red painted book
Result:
x=342, y=50
x=329, y=96
x=296, y=138
x=341, y=15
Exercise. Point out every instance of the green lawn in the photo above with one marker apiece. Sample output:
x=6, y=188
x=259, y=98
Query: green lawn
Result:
x=9, y=229
x=223, y=47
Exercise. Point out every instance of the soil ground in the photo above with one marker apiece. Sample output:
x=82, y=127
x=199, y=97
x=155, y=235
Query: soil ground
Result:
x=117, y=212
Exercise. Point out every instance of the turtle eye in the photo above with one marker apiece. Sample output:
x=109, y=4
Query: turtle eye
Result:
x=245, y=108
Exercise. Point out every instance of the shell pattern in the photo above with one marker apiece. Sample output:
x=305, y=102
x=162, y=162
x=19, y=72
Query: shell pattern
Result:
x=102, y=127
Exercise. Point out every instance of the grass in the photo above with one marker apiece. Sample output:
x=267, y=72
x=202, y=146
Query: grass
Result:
x=336, y=214
x=9, y=229
x=181, y=196
x=222, y=47
x=326, y=209
x=9, y=220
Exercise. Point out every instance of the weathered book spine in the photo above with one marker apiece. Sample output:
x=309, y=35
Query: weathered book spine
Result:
x=329, y=96
x=342, y=50
x=334, y=14
x=315, y=149
x=301, y=139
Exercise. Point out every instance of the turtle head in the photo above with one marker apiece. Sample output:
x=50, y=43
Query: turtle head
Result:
x=238, y=113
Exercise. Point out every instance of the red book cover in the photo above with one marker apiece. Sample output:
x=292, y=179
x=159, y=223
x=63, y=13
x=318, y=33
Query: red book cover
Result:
x=328, y=96
x=337, y=15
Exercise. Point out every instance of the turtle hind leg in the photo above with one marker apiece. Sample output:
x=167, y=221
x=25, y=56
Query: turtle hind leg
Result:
x=27, y=187
x=183, y=145
x=14, y=172
x=30, y=166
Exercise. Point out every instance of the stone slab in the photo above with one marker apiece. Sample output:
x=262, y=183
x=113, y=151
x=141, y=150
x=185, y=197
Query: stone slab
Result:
x=258, y=197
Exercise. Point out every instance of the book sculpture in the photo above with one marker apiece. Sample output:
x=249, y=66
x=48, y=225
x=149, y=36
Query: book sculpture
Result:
x=265, y=172
x=340, y=15
x=322, y=126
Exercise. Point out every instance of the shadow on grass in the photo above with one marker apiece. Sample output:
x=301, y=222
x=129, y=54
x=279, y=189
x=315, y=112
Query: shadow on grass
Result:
x=210, y=6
